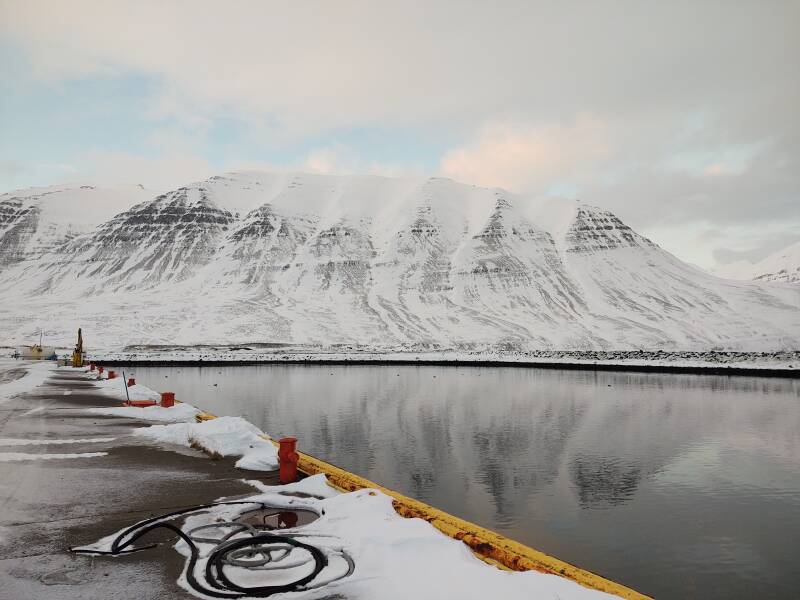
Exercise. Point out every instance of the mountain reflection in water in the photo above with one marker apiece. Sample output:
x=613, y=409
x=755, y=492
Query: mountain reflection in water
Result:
x=677, y=485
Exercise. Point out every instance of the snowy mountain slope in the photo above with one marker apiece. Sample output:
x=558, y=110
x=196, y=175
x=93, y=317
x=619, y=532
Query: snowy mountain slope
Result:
x=316, y=259
x=783, y=265
x=37, y=220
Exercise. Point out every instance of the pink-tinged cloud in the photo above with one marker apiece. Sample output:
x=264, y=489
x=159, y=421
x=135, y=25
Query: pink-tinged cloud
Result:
x=521, y=156
x=719, y=169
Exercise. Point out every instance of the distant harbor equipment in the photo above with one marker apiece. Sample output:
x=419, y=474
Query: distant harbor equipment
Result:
x=78, y=355
x=38, y=351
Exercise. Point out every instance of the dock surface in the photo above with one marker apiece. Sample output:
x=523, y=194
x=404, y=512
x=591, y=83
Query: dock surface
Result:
x=51, y=504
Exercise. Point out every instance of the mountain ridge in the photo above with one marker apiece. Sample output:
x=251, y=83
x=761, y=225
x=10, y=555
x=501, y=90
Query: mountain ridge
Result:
x=319, y=259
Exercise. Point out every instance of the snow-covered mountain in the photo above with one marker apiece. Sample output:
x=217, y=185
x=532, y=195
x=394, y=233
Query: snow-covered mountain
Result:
x=38, y=220
x=317, y=259
x=783, y=265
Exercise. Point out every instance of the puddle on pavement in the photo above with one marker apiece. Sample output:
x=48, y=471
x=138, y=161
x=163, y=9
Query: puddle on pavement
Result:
x=271, y=518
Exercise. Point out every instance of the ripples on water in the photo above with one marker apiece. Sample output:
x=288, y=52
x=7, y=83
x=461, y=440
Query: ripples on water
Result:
x=677, y=485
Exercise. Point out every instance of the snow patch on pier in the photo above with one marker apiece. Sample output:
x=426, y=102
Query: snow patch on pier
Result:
x=47, y=442
x=36, y=374
x=15, y=456
x=180, y=413
x=116, y=388
x=394, y=557
x=225, y=436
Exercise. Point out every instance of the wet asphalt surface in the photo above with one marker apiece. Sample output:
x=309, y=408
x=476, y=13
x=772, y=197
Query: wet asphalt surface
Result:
x=48, y=506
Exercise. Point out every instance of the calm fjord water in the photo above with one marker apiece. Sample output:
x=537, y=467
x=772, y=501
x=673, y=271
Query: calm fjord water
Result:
x=677, y=485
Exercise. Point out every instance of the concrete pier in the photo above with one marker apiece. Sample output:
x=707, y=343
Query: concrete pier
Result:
x=49, y=505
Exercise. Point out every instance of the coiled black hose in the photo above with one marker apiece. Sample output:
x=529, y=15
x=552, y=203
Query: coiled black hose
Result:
x=260, y=550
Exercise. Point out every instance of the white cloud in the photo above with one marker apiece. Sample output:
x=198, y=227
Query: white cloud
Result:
x=520, y=157
x=719, y=168
x=15, y=174
x=164, y=172
x=704, y=242
x=342, y=159
x=601, y=97
x=318, y=65
x=179, y=166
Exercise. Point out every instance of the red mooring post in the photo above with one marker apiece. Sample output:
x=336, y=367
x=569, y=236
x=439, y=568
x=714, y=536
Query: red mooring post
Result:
x=92, y=367
x=100, y=371
x=112, y=375
x=131, y=382
x=167, y=399
x=287, y=458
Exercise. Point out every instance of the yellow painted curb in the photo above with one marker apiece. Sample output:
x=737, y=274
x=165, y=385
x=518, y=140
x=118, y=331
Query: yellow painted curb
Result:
x=487, y=545
x=204, y=416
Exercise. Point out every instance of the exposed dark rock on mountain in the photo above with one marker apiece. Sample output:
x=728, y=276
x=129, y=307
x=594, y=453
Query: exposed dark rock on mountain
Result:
x=254, y=257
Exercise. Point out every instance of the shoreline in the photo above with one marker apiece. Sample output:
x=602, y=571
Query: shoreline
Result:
x=693, y=369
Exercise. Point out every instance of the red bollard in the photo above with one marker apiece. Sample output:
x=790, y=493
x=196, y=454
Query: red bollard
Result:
x=91, y=367
x=131, y=382
x=167, y=399
x=100, y=371
x=287, y=458
x=112, y=375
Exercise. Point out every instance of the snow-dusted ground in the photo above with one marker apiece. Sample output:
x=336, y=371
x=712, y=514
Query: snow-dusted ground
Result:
x=36, y=373
x=15, y=456
x=50, y=442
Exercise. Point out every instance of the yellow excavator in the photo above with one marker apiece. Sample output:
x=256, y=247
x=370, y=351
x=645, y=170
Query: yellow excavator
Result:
x=77, y=353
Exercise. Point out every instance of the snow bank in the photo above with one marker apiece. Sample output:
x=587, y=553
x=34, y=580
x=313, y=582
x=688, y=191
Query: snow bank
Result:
x=226, y=436
x=314, y=485
x=395, y=557
x=180, y=413
x=407, y=558
x=116, y=387
x=37, y=372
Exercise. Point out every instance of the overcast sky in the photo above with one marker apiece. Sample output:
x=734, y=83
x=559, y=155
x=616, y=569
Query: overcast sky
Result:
x=682, y=118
